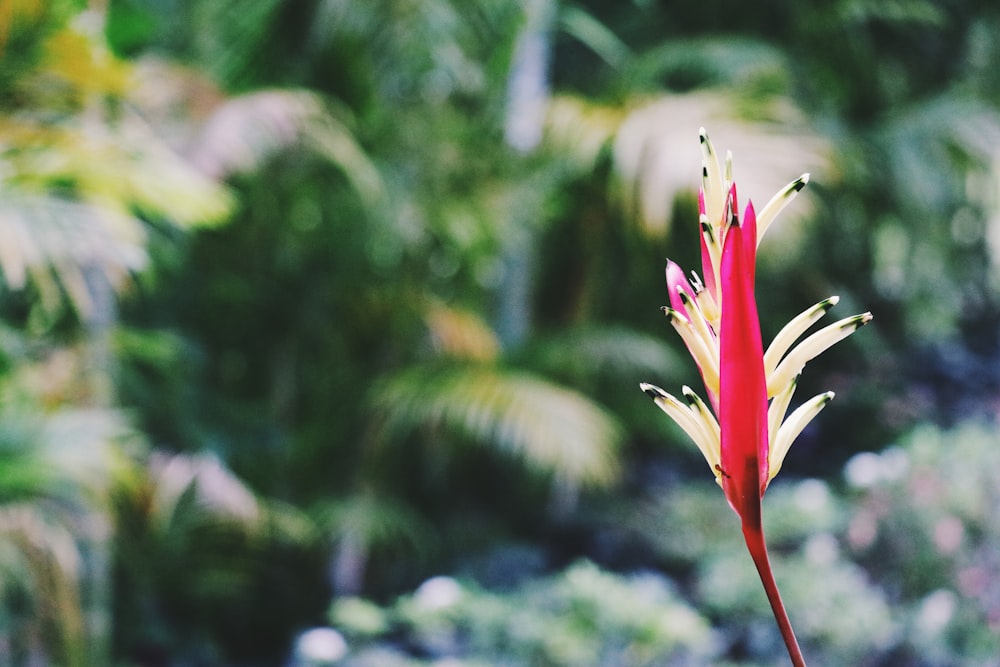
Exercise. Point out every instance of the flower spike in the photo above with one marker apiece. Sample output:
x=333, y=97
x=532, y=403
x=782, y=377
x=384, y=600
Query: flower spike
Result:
x=747, y=438
x=742, y=384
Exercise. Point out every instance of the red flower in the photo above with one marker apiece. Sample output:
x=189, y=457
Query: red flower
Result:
x=750, y=390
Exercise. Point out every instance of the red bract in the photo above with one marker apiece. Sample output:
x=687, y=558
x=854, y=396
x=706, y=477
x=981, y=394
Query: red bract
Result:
x=749, y=389
x=742, y=386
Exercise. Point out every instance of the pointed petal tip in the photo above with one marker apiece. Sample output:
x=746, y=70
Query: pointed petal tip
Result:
x=674, y=315
x=801, y=182
x=859, y=321
x=856, y=322
x=652, y=390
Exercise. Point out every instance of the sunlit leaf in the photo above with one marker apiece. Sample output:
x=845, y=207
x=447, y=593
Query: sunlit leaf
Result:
x=40, y=559
x=550, y=428
x=596, y=35
x=59, y=241
x=244, y=131
x=206, y=482
x=83, y=66
x=592, y=352
x=461, y=333
x=656, y=159
x=581, y=129
x=58, y=469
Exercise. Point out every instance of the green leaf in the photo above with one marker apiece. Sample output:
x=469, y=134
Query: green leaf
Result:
x=549, y=427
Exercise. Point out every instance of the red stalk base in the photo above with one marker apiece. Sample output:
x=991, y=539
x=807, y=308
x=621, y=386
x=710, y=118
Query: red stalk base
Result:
x=754, y=537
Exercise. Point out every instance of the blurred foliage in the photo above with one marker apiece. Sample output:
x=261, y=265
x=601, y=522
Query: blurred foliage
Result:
x=57, y=468
x=580, y=616
x=80, y=164
x=320, y=298
x=893, y=564
x=194, y=547
x=923, y=526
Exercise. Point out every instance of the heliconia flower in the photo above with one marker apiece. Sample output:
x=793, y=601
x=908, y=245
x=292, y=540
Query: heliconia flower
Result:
x=745, y=435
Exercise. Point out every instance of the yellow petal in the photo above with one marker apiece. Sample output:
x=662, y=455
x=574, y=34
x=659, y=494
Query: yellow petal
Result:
x=691, y=422
x=778, y=202
x=790, y=430
x=791, y=331
x=811, y=347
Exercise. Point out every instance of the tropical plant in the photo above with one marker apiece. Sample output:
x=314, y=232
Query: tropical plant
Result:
x=423, y=323
x=196, y=553
x=55, y=527
x=81, y=164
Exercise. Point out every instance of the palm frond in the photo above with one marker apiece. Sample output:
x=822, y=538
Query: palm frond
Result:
x=242, y=132
x=158, y=182
x=595, y=35
x=40, y=561
x=580, y=129
x=187, y=488
x=54, y=528
x=67, y=456
x=550, y=428
x=436, y=47
x=461, y=333
x=199, y=482
x=122, y=165
x=58, y=242
x=584, y=354
x=378, y=522
x=233, y=36
x=76, y=178
x=936, y=146
x=656, y=156
x=942, y=178
x=57, y=138
x=88, y=448
x=731, y=62
x=654, y=150
x=364, y=525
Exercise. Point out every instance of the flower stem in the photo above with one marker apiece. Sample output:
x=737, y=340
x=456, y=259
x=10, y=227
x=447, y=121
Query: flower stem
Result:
x=754, y=536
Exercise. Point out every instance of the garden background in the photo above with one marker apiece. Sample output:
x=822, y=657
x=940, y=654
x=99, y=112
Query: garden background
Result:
x=331, y=314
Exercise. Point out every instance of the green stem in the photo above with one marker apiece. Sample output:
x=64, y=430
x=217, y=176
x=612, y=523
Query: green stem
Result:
x=754, y=536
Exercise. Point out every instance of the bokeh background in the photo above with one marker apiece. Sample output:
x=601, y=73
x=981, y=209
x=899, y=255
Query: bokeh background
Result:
x=322, y=324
